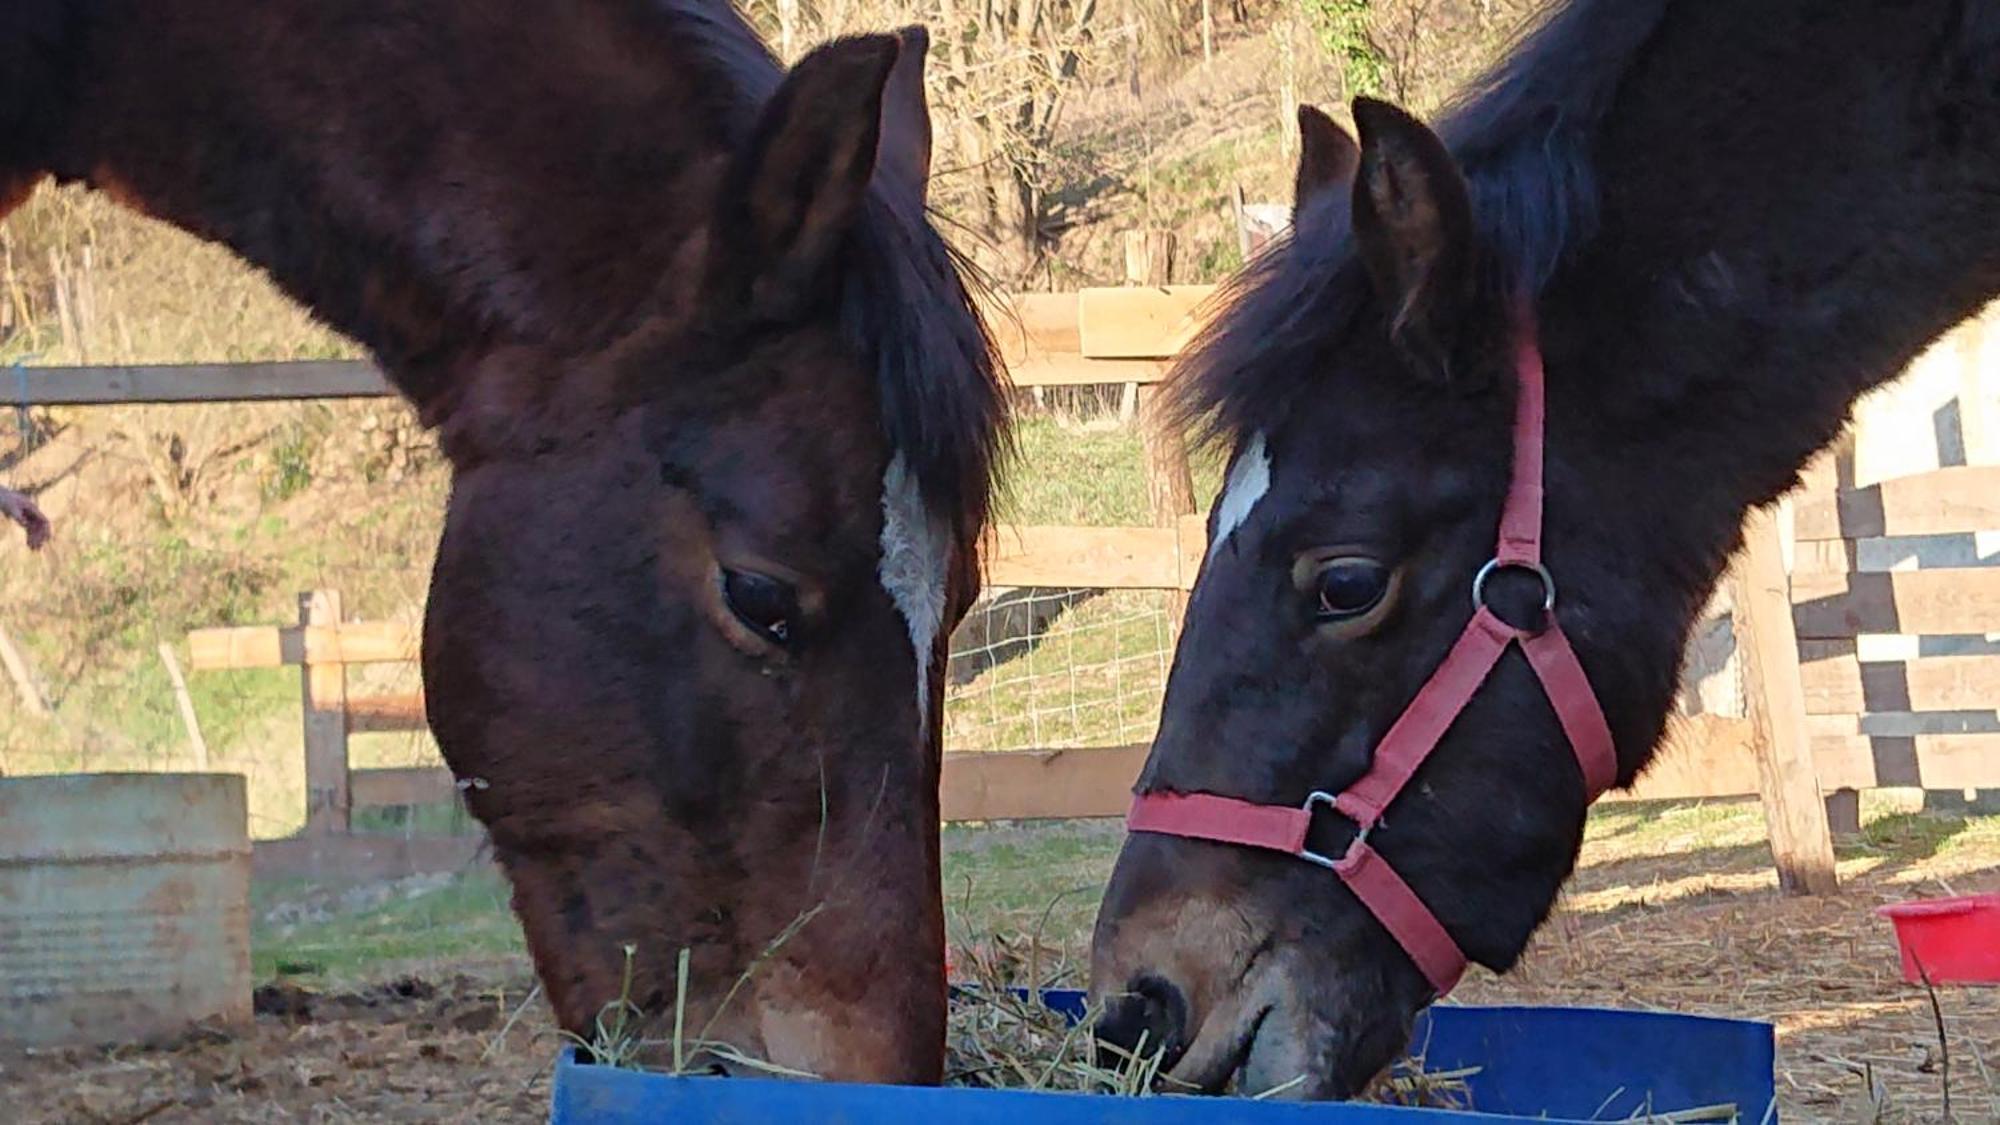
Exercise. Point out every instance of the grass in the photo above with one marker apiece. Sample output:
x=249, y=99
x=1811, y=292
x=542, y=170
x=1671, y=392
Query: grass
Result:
x=311, y=932
x=1089, y=472
x=1033, y=879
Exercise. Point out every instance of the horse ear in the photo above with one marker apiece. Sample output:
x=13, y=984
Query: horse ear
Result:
x=1414, y=230
x=805, y=176
x=905, y=153
x=1327, y=159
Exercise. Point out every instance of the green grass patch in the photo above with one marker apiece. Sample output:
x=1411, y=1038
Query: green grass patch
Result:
x=1089, y=472
x=342, y=937
x=1043, y=879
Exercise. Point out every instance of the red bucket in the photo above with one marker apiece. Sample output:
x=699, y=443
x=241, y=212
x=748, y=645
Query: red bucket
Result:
x=1957, y=940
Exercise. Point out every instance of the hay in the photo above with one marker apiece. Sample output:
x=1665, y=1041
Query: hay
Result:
x=998, y=1039
x=1855, y=1043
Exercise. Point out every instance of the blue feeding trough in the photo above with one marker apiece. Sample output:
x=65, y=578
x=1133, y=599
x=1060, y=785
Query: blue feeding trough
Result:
x=1552, y=1065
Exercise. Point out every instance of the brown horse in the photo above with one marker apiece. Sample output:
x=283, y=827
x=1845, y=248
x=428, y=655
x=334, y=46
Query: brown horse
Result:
x=1727, y=221
x=720, y=414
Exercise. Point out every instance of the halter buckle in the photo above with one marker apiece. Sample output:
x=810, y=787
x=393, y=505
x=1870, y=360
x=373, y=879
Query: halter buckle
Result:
x=1496, y=564
x=1322, y=797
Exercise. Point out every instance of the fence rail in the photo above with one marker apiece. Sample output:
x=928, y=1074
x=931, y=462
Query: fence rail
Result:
x=1047, y=340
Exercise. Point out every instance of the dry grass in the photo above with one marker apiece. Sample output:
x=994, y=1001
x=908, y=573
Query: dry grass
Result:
x=1675, y=908
x=1000, y=1038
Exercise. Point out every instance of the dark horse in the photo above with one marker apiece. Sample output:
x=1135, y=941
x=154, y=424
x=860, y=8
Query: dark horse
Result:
x=1728, y=220
x=720, y=415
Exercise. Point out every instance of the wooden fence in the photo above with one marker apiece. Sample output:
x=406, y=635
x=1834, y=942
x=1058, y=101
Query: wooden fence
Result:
x=1821, y=720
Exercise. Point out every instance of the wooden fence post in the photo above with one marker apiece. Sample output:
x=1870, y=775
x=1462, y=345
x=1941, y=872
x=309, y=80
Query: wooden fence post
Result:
x=325, y=709
x=1767, y=641
x=1149, y=260
x=1149, y=256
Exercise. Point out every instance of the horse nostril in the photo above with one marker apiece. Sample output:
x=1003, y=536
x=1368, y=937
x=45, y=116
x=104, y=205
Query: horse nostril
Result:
x=1150, y=1017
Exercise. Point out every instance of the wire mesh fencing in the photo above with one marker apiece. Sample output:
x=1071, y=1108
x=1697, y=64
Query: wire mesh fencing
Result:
x=1038, y=668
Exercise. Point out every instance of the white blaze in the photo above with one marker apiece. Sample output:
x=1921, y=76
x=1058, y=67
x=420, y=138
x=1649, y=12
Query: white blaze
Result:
x=914, y=553
x=1249, y=479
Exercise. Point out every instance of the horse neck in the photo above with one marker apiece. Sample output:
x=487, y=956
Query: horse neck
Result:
x=1781, y=230
x=433, y=180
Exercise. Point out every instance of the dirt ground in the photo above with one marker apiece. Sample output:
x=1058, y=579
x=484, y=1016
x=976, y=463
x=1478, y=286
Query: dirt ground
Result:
x=1676, y=910
x=416, y=1049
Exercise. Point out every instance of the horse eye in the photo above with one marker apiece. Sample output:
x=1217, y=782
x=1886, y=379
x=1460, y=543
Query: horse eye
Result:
x=1351, y=587
x=765, y=604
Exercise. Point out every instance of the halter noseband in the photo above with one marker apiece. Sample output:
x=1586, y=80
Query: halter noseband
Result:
x=1417, y=732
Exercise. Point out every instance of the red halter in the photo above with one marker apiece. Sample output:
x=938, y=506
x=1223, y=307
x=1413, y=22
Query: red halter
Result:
x=1205, y=816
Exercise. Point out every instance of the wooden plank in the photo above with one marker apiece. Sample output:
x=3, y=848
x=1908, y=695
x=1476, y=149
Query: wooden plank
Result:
x=1945, y=600
x=323, y=697
x=413, y=785
x=1030, y=324
x=1193, y=531
x=1056, y=370
x=1826, y=556
x=267, y=646
x=1705, y=757
x=1939, y=502
x=1845, y=685
x=391, y=714
x=1710, y=756
x=1702, y=756
x=252, y=646
x=201, y=382
x=1040, y=784
x=1925, y=761
x=1128, y=558
x=362, y=859
x=1139, y=323
x=1794, y=812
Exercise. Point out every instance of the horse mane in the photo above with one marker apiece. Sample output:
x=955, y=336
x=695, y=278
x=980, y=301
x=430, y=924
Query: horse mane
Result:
x=1523, y=134
x=907, y=302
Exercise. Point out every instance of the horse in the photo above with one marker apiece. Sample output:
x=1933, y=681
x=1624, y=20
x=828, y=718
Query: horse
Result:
x=1495, y=414
x=722, y=419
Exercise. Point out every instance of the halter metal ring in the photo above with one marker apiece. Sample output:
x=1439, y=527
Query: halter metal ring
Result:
x=1494, y=566
x=1322, y=797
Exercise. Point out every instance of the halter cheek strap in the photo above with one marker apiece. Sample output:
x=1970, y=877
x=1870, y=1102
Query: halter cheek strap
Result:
x=1422, y=725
